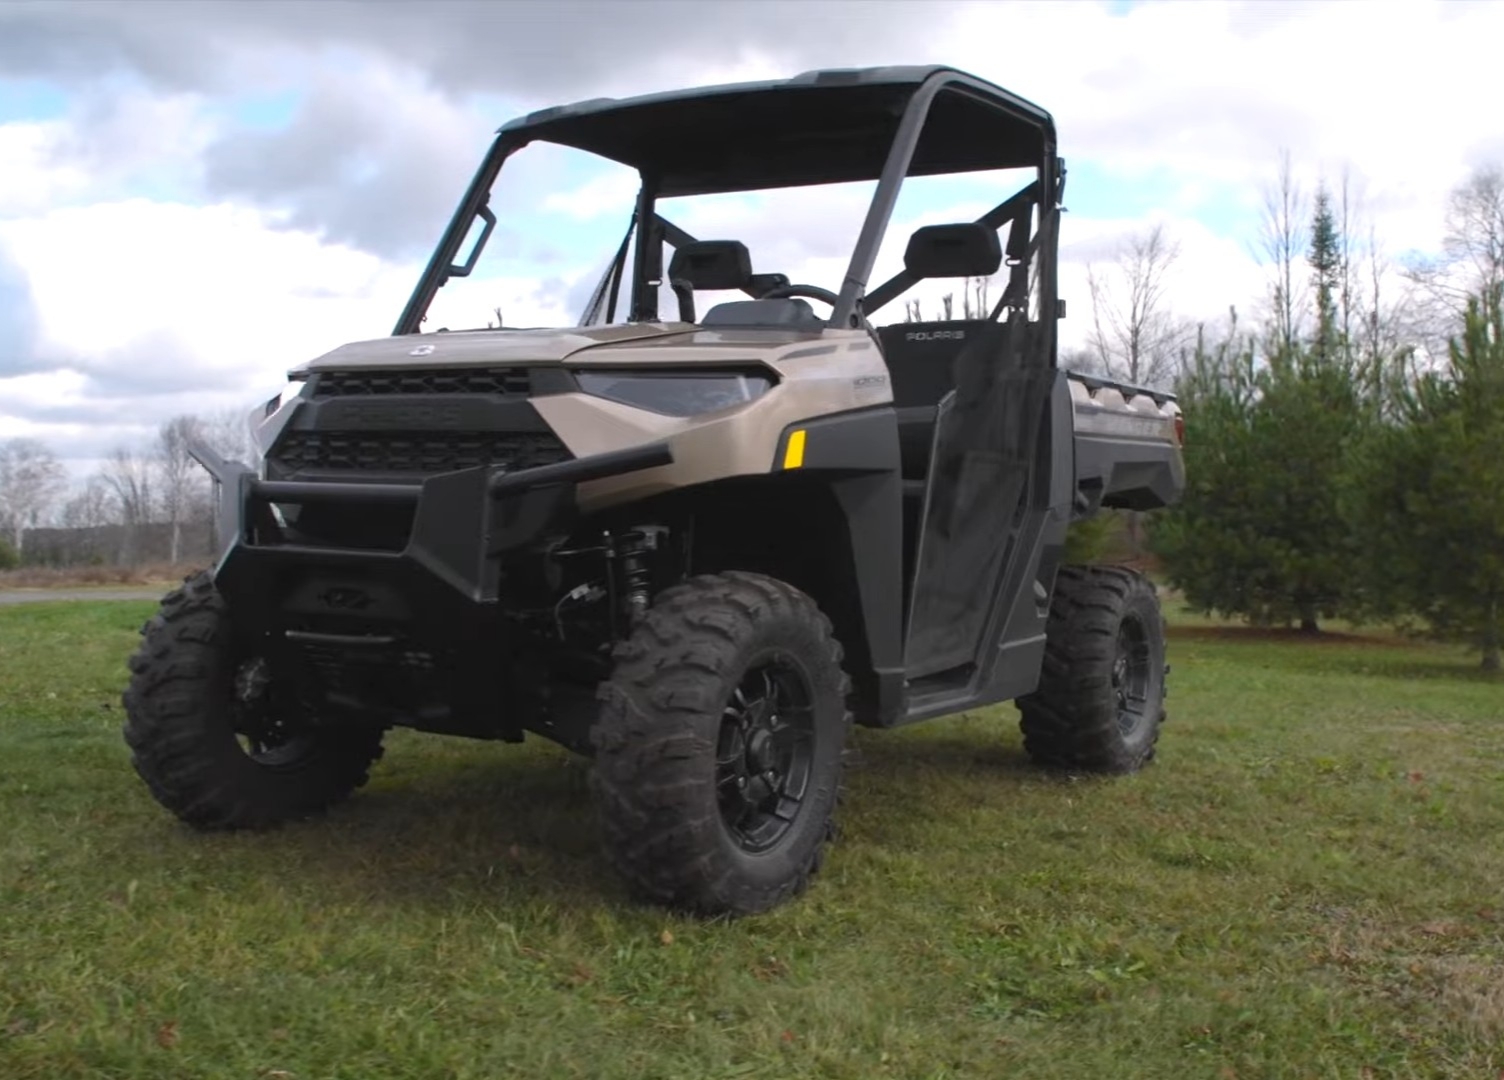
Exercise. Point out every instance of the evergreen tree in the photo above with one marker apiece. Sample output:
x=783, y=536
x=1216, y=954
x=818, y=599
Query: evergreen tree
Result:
x=1430, y=496
x=1260, y=532
x=1327, y=275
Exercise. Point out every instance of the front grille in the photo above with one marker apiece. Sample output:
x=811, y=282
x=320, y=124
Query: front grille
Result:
x=303, y=453
x=510, y=381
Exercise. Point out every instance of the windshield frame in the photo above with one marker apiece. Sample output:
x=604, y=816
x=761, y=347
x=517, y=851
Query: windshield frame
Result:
x=647, y=270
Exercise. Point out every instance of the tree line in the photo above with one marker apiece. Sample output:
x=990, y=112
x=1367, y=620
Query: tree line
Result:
x=147, y=502
x=1345, y=455
x=1345, y=448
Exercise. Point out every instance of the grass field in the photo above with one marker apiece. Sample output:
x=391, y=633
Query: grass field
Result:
x=1309, y=882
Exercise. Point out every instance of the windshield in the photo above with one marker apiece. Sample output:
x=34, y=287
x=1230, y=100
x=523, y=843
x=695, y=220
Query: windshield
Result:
x=562, y=216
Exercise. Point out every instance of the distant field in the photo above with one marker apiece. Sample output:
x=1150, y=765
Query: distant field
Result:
x=1308, y=883
x=82, y=577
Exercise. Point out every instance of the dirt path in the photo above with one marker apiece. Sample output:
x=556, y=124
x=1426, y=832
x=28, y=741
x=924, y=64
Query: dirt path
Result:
x=31, y=596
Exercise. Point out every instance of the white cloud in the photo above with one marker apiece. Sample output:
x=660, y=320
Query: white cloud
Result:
x=609, y=193
x=1194, y=99
x=470, y=303
x=107, y=142
x=31, y=179
x=1205, y=93
x=242, y=299
x=152, y=309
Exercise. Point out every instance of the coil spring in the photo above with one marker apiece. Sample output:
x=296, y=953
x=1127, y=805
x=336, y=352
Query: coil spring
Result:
x=637, y=580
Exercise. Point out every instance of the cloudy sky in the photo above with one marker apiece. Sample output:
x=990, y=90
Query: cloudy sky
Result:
x=196, y=196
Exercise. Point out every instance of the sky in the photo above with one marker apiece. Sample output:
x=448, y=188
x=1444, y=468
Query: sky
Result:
x=196, y=197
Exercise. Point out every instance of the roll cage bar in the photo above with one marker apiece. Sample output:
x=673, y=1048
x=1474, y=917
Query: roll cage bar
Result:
x=947, y=152
x=1019, y=251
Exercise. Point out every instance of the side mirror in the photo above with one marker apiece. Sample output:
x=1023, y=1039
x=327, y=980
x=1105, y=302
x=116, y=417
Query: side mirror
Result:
x=969, y=249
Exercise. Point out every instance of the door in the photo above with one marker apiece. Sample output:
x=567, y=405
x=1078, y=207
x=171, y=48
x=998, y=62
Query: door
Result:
x=978, y=497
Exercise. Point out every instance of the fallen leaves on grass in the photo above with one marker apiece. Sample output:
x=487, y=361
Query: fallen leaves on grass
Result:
x=769, y=968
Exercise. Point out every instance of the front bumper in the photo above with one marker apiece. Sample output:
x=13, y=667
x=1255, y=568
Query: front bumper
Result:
x=462, y=523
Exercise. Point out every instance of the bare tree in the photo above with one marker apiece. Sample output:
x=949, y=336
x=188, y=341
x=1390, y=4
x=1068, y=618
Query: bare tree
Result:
x=1346, y=223
x=31, y=479
x=1475, y=229
x=179, y=475
x=1471, y=260
x=975, y=302
x=89, y=508
x=1082, y=360
x=127, y=475
x=228, y=433
x=1282, y=241
x=1135, y=334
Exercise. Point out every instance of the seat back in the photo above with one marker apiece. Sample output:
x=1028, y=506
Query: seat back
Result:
x=921, y=370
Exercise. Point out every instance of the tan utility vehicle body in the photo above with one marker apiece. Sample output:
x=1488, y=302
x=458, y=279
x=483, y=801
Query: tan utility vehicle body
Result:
x=487, y=532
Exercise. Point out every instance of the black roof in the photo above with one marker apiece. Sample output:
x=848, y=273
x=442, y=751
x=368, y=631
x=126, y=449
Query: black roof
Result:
x=816, y=128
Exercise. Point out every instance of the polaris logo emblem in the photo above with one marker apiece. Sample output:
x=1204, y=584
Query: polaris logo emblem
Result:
x=422, y=350
x=935, y=335
x=346, y=599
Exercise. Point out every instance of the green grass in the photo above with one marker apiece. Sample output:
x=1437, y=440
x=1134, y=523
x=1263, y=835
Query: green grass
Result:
x=1309, y=882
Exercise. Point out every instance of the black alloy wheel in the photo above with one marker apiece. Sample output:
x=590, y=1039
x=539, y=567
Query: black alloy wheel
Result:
x=1100, y=703
x=720, y=744
x=764, y=753
x=1132, y=675
x=208, y=734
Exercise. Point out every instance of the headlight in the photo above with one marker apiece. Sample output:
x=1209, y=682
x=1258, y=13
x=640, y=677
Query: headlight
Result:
x=676, y=393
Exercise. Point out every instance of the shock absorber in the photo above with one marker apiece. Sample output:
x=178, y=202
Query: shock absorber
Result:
x=633, y=552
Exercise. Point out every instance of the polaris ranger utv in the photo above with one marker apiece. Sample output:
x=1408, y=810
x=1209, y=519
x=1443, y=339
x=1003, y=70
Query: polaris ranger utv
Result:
x=694, y=547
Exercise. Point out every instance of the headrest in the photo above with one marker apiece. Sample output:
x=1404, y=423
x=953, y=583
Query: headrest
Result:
x=712, y=264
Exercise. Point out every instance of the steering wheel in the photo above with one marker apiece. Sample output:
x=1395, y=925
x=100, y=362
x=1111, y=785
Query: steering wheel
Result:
x=814, y=292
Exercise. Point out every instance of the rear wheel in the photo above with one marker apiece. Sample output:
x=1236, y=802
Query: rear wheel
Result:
x=719, y=745
x=208, y=736
x=1100, y=700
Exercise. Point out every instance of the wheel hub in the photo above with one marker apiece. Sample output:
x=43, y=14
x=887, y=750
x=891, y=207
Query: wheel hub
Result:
x=764, y=754
x=760, y=750
x=1130, y=675
x=269, y=738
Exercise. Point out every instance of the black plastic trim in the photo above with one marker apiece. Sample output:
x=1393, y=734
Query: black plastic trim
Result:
x=578, y=471
x=437, y=413
x=1131, y=474
x=858, y=451
x=1127, y=389
x=861, y=440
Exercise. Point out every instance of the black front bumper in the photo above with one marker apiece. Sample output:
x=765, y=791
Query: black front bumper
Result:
x=443, y=577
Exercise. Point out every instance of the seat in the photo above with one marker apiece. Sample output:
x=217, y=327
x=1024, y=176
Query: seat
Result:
x=710, y=266
x=921, y=370
x=785, y=313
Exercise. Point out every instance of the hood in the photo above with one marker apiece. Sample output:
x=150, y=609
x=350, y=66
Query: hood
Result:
x=485, y=348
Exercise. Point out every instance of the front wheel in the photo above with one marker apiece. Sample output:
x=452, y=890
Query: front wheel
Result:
x=719, y=745
x=1100, y=702
x=206, y=731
